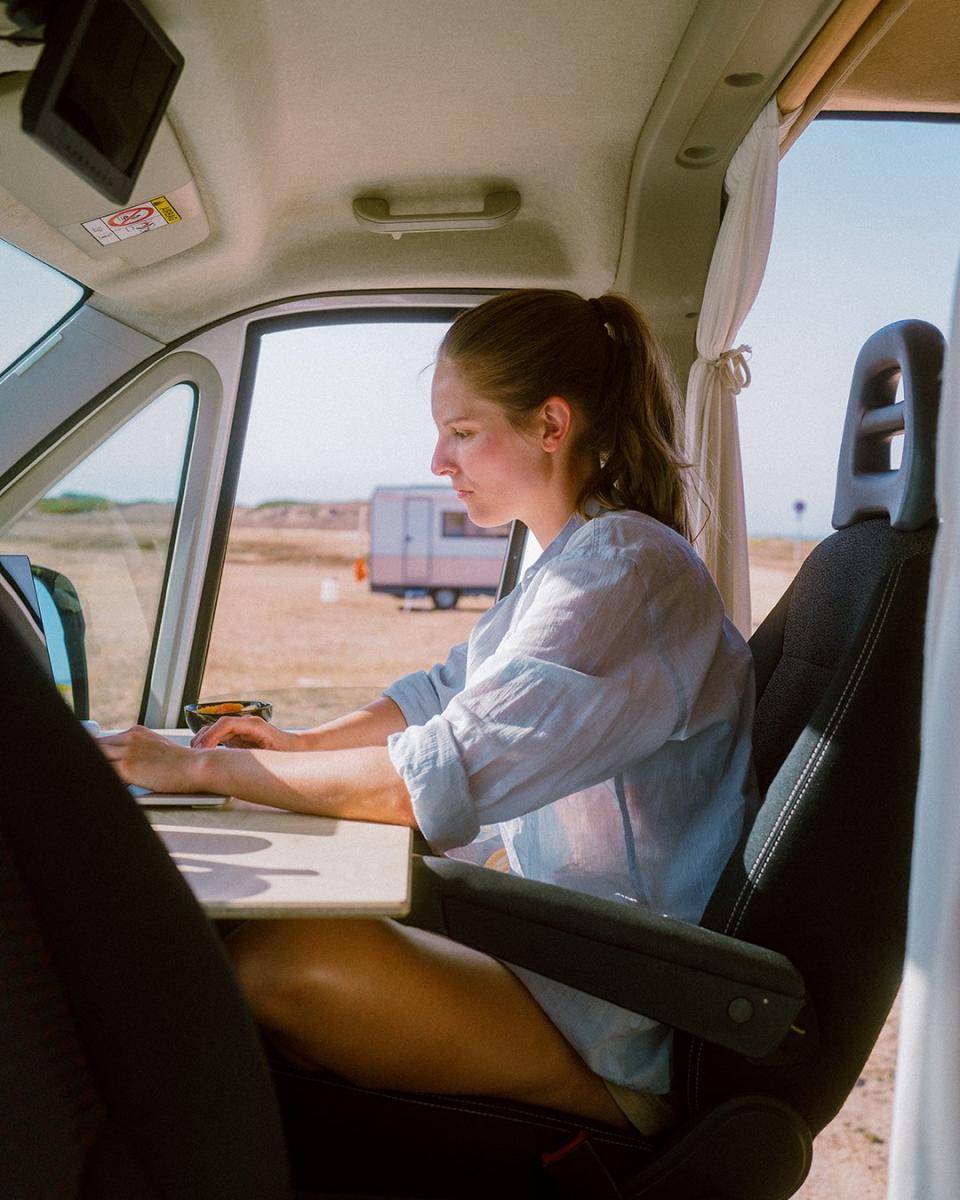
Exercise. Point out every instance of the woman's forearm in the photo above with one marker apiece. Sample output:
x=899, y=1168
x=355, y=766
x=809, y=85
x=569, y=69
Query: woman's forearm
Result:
x=368, y=726
x=361, y=783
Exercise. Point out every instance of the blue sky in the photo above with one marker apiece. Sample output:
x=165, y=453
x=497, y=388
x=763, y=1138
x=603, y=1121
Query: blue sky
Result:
x=867, y=233
x=35, y=295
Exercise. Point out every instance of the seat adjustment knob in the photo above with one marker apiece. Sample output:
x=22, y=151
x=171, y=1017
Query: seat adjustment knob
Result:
x=740, y=1010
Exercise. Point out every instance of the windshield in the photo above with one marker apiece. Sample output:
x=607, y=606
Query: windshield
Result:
x=34, y=299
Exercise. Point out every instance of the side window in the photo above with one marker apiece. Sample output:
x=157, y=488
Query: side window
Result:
x=348, y=564
x=98, y=541
x=865, y=235
x=34, y=299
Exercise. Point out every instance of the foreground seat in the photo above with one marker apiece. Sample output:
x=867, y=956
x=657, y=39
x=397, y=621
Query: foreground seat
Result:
x=130, y=1068
x=777, y=998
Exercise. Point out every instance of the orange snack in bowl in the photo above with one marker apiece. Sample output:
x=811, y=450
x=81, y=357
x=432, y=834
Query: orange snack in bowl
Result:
x=221, y=710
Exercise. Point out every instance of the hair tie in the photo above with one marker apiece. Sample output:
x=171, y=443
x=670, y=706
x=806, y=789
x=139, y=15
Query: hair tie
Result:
x=597, y=308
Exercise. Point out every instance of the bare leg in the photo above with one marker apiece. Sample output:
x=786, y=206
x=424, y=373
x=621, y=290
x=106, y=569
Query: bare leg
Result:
x=385, y=1005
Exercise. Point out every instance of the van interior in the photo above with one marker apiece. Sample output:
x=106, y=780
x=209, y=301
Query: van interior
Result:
x=231, y=238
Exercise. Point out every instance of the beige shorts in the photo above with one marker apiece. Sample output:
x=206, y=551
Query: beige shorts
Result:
x=647, y=1113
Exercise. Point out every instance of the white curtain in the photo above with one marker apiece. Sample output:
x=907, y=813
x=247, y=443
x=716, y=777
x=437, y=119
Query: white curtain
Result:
x=720, y=370
x=925, y=1155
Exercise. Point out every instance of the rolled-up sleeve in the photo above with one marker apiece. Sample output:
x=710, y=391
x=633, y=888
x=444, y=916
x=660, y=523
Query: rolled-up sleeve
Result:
x=423, y=694
x=583, y=685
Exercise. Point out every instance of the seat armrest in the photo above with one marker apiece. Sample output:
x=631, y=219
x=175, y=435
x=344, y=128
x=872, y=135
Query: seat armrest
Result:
x=709, y=985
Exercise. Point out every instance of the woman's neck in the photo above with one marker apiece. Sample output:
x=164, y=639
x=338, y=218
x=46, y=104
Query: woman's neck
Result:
x=559, y=502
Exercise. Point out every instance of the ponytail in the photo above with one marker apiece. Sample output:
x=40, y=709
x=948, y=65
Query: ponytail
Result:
x=600, y=355
x=634, y=436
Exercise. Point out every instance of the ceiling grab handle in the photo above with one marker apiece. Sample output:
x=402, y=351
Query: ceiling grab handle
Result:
x=374, y=214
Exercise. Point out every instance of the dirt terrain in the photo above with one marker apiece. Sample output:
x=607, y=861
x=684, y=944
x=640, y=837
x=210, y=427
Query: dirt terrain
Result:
x=296, y=625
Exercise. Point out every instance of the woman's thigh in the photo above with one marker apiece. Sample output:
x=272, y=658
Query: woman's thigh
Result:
x=391, y=1006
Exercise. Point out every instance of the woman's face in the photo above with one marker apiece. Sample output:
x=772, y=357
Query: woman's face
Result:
x=500, y=472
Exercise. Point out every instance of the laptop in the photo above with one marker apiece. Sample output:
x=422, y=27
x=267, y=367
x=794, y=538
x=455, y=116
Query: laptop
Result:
x=20, y=604
x=147, y=799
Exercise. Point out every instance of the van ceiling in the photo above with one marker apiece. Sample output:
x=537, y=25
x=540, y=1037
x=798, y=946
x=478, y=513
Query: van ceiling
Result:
x=287, y=112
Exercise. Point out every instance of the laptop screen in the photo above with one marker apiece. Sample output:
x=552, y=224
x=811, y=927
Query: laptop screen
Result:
x=20, y=605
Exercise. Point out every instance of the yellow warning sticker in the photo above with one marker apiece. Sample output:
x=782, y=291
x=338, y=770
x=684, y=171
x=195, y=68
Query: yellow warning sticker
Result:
x=166, y=209
x=130, y=222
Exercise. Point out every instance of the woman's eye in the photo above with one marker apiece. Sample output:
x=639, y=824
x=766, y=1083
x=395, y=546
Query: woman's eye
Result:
x=460, y=434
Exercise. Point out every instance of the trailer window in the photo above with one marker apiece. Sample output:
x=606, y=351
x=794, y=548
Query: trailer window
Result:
x=459, y=525
x=338, y=578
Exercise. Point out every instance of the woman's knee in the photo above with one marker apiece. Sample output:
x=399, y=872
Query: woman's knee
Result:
x=284, y=965
x=261, y=967
x=272, y=962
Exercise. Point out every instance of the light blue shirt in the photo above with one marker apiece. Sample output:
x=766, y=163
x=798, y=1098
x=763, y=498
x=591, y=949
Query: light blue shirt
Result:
x=599, y=715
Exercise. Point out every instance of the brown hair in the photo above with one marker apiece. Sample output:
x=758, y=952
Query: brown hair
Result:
x=522, y=347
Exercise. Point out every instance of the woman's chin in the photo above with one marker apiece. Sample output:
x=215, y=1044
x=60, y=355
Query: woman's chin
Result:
x=484, y=517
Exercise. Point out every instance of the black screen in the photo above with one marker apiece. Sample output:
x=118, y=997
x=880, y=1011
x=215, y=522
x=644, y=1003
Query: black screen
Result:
x=100, y=90
x=20, y=606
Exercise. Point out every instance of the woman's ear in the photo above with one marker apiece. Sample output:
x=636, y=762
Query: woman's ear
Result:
x=556, y=423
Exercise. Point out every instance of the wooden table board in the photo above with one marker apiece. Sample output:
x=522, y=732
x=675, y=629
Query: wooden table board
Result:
x=247, y=860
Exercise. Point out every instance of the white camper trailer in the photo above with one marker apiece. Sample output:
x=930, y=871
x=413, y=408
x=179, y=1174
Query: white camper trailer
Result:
x=421, y=540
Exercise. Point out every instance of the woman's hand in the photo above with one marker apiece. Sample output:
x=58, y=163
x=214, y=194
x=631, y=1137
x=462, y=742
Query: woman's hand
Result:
x=248, y=733
x=144, y=757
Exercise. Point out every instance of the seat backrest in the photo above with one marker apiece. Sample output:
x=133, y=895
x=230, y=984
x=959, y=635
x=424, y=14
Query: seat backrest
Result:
x=129, y=1064
x=821, y=875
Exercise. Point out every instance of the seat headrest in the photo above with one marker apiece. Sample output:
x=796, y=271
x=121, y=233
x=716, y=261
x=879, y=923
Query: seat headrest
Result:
x=867, y=485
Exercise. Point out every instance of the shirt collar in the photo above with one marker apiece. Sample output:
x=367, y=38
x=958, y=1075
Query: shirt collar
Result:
x=557, y=546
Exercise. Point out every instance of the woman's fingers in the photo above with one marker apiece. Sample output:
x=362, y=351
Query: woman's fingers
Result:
x=236, y=731
x=117, y=746
x=142, y=756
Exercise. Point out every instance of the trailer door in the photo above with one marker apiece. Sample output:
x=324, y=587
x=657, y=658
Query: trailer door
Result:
x=417, y=515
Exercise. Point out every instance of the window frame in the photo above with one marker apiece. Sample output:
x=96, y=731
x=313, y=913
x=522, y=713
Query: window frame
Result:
x=216, y=359
x=377, y=310
x=73, y=441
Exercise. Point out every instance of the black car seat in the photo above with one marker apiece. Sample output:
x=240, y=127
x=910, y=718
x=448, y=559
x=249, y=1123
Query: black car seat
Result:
x=130, y=1068
x=778, y=996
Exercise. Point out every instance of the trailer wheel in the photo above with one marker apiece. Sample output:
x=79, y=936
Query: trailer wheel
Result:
x=445, y=597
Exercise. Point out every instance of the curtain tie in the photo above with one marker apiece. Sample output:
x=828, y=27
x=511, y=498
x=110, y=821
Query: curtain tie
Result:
x=732, y=368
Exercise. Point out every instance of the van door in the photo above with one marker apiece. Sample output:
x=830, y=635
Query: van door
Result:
x=417, y=516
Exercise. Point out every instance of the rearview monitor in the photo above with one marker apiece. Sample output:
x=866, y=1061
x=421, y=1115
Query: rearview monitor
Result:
x=100, y=89
x=20, y=605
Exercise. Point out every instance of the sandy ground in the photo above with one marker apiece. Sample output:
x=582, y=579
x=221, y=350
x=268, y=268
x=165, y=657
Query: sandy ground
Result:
x=294, y=625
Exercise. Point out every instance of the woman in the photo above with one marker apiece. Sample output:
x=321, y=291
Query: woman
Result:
x=600, y=714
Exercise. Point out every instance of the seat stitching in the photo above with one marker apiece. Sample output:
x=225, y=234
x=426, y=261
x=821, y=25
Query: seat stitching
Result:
x=809, y=770
x=748, y=883
x=518, y=1117
x=886, y=605
x=829, y=732
x=693, y=1073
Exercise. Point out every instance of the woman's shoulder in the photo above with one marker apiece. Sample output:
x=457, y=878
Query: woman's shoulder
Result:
x=637, y=538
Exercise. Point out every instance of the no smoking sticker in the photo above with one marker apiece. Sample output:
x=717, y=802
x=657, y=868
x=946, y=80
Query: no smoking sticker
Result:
x=130, y=222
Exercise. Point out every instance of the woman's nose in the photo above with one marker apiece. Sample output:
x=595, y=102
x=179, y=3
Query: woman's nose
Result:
x=440, y=463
